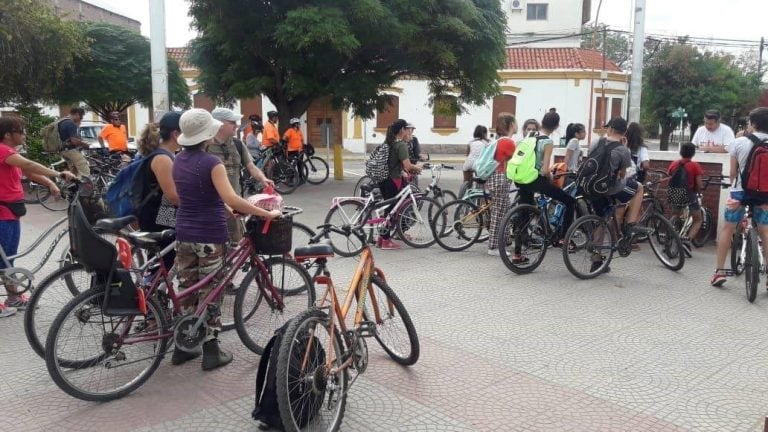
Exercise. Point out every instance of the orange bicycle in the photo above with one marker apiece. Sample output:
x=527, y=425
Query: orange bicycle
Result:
x=318, y=350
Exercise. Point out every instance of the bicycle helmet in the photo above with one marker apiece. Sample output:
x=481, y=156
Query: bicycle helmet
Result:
x=271, y=114
x=295, y=121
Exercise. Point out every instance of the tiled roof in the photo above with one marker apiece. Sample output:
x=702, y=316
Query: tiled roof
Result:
x=181, y=55
x=557, y=58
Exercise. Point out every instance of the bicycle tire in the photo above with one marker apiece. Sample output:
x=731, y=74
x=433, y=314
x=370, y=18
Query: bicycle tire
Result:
x=395, y=307
x=737, y=251
x=292, y=391
x=460, y=221
x=228, y=297
x=48, y=299
x=317, y=166
x=665, y=242
x=301, y=234
x=256, y=330
x=364, y=180
x=532, y=235
x=47, y=200
x=63, y=378
x=413, y=222
x=445, y=196
x=702, y=237
x=30, y=191
x=345, y=245
x=593, y=230
x=285, y=176
x=465, y=186
x=752, y=266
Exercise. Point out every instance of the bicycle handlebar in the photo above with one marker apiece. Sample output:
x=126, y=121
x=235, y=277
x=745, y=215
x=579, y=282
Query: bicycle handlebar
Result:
x=437, y=166
x=345, y=231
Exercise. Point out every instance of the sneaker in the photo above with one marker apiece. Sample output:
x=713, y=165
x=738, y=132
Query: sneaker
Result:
x=18, y=302
x=6, y=311
x=387, y=244
x=495, y=252
x=718, y=279
x=519, y=259
x=596, y=265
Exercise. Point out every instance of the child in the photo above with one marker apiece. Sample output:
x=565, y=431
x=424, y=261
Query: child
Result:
x=695, y=184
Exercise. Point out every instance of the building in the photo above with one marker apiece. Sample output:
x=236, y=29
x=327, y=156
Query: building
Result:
x=77, y=10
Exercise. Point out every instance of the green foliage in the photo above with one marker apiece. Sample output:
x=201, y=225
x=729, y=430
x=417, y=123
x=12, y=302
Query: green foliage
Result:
x=618, y=46
x=34, y=121
x=297, y=51
x=680, y=75
x=36, y=50
x=117, y=73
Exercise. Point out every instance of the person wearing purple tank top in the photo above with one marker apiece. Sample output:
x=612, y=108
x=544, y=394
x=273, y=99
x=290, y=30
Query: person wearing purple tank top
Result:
x=201, y=222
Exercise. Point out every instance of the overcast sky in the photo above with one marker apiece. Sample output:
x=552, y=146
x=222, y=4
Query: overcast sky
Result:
x=732, y=19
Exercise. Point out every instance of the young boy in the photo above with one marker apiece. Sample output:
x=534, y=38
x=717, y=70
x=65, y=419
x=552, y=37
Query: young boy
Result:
x=695, y=184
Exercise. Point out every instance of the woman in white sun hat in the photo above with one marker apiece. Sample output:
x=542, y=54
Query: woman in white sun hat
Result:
x=201, y=222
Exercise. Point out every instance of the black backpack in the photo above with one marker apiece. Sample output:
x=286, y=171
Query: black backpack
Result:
x=677, y=191
x=595, y=176
x=267, y=411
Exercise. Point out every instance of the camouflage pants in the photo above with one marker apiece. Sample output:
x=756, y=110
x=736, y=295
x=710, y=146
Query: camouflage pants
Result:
x=76, y=162
x=194, y=261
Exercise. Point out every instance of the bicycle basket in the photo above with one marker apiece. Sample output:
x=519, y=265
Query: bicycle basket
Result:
x=277, y=240
x=309, y=149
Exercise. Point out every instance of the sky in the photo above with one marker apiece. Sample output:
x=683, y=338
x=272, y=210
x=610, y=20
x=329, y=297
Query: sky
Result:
x=731, y=19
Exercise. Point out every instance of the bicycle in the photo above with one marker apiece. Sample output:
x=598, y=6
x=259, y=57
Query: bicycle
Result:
x=273, y=163
x=442, y=196
x=410, y=215
x=596, y=238
x=312, y=169
x=459, y=224
x=754, y=262
x=684, y=222
x=319, y=351
x=122, y=331
x=44, y=196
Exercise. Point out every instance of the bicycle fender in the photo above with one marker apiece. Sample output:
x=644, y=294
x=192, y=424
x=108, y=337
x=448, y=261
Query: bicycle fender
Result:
x=336, y=200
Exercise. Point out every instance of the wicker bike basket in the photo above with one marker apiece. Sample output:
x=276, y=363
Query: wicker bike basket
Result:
x=275, y=240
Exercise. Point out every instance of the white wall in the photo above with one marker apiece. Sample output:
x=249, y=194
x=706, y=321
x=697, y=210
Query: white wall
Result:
x=563, y=17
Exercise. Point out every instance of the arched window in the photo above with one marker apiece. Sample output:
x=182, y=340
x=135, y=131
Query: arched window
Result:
x=503, y=103
x=440, y=110
x=387, y=116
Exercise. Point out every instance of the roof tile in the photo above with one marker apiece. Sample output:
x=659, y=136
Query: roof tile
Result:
x=557, y=58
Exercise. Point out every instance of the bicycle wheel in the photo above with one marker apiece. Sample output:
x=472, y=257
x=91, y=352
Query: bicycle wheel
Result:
x=738, y=251
x=445, y=196
x=364, y=180
x=522, y=232
x=458, y=225
x=752, y=266
x=112, y=354
x=394, y=331
x=285, y=176
x=311, y=397
x=665, y=242
x=49, y=298
x=256, y=313
x=413, y=222
x=228, y=297
x=702, y=237
x=30, y=191
x=48, y=201
x=347, y=214
x=301, y=234
x=315, y=170
x=589, y=248
x=465, y=186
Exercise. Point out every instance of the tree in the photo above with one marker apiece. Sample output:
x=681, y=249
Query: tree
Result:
x=36, y=50
x=680, y=75
x=117, y=73
x=618, y=46
x=297, y=51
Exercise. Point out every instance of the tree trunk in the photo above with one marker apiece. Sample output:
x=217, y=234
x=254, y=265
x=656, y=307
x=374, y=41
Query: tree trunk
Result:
x=666, y=131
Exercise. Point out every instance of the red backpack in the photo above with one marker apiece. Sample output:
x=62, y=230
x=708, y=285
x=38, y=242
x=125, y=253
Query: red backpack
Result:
x=754, y=177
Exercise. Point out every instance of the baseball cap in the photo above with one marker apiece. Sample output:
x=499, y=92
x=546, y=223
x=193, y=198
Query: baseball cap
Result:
x=170, y=121
x=618, y=124
x=410, y=126
x=225, y=114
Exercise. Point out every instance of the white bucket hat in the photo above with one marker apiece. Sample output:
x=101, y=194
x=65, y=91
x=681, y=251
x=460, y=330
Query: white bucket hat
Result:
x=197, y=125
x=225, y=114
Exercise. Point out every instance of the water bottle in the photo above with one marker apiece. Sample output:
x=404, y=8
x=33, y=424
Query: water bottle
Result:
x=556, y=215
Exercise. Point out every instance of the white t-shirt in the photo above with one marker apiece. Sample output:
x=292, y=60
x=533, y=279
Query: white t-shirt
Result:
x=722, y=136
x=574, y=146
x=740, y=150
x=475, y=148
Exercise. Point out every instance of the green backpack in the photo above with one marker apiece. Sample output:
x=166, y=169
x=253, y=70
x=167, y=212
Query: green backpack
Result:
x=522, y=167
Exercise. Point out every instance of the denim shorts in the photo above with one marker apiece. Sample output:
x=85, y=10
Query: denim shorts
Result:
x=759, y=215
x=10, y=235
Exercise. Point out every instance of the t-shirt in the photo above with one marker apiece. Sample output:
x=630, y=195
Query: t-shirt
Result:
x=201, y=217
x=10, y=186
x=270, y=136
x=475, y=148
x=234, y=161
x=398, y=152
x=505, y=148
x=541, y=142
x=573, y=145
x=116, y=137
x=621, y=159
x=722, y=136
x=692, y=170
x=148, y=212
x=740, y=150
x=67, y=131
x=295, y=139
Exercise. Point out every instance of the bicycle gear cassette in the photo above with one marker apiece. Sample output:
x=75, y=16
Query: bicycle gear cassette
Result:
x=184, y=335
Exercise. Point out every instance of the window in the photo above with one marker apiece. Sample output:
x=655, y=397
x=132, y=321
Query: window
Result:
x=600, y=107
x=503, y=103
x=387, y=116
x=615, y=107
x=444, y=112
x=537, y=11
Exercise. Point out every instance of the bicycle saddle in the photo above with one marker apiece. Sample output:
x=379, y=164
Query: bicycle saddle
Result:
x=113, y=225
x=319, y=250
x=149, y=240
x=479, y=180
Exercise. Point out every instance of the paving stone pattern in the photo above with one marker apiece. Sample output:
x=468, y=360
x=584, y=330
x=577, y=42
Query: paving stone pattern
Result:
x=639, y=349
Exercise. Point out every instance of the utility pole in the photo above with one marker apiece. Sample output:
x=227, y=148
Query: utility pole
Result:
x=635, y=86
x=760, y=60
x=160, y=101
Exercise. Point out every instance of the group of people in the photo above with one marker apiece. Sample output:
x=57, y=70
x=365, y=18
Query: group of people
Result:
x=260, y=136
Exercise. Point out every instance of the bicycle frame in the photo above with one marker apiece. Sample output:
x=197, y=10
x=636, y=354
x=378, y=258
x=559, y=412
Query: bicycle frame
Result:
x=370, y=205
x=30, y=273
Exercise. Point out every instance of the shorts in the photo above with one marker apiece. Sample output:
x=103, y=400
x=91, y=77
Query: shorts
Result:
x=693, y=202
x=759, y=214
x=10, y=235
x=601, y=205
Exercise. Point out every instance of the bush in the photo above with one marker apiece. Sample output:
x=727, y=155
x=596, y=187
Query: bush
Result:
x=34, y=122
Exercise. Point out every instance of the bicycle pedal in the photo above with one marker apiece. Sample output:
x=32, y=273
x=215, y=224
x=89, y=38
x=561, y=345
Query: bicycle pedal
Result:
x=366, y=329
